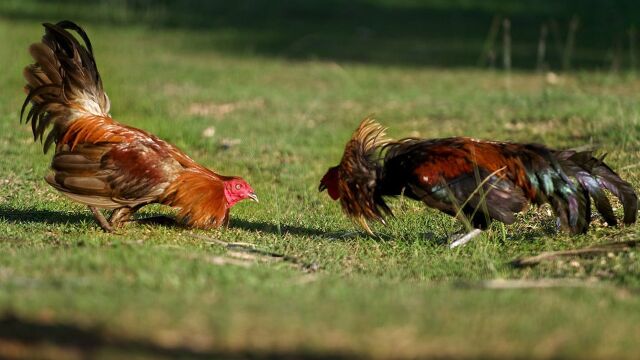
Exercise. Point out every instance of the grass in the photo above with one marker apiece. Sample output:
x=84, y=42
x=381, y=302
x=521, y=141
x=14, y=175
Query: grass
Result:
x=69, y=290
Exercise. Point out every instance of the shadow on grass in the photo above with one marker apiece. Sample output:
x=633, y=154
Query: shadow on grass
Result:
x=31, y=338
x=247, y=225
x=275, y=229
x=524, y=230
x=14, y=215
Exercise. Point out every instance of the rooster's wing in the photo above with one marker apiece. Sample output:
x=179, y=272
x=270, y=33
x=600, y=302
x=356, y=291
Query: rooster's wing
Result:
x=113, y=175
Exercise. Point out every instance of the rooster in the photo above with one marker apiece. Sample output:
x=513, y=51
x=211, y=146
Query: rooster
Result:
x=102, y=163
x=475, y=180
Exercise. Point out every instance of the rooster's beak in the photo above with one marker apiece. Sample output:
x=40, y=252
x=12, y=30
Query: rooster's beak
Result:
x=253, y=197
x=322, y=187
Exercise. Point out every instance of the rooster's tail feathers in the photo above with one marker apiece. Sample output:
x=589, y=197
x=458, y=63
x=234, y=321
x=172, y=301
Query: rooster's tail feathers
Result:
x=594, y=176
x=63, y=83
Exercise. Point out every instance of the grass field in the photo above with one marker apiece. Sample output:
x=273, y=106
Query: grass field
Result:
x=69, y=290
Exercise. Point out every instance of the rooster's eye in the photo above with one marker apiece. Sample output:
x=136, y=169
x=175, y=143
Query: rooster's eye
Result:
x=237, y=186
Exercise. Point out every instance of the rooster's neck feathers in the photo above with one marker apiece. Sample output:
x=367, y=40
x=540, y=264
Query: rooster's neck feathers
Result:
x=358, y=173
x=200, y=195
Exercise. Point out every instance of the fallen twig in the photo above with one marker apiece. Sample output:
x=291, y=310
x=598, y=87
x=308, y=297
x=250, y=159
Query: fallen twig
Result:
x=591, y=250
x=536, y=284
x=236, y=248
x=221, y=260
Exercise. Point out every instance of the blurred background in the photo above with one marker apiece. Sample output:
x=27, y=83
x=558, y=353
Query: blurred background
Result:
x=523, y=34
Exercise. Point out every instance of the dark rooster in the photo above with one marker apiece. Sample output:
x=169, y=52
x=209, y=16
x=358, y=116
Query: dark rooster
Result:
x=102, y=163
x=472, y=179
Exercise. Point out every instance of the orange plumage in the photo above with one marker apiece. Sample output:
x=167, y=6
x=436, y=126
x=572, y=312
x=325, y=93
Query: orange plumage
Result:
x=102, y=163
x=480, y=180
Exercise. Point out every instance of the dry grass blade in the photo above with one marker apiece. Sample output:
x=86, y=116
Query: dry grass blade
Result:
x=250, y=251
x=476, y=190
x=472, y=232
x=591, y=250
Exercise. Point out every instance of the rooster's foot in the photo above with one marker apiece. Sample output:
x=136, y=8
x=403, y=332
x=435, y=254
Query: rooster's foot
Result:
x=461, y=239
x=102, y=221
x=121, y=216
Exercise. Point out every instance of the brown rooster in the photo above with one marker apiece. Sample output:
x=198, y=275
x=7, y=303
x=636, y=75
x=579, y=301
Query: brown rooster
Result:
x=472, y=179
x=102, y=163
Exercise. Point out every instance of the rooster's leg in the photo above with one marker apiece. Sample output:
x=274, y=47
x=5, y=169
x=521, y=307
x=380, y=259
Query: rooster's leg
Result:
x=104, y=224
x=225, y=222
x=120, y=216
x=461, y=240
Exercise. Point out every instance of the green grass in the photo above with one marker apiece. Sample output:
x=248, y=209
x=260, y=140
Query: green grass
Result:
x=67, y=289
